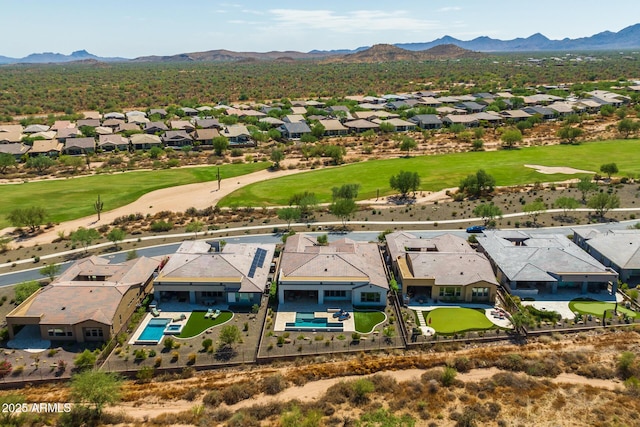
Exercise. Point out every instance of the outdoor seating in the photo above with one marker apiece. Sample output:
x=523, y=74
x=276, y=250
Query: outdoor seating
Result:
x=216, y=314
x=155, y=312
x=209, y=313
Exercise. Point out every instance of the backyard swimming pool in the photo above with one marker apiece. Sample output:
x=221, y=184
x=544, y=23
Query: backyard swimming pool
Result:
x=153, y=332
x=309, y=321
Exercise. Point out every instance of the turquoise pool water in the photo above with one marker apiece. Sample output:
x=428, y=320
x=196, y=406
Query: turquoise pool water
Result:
x=309, y=321
x=154, y=331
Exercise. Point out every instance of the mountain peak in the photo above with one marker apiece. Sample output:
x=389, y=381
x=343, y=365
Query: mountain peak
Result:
x=81, y=53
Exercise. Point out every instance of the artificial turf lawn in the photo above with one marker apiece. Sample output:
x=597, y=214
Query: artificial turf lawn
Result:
x=442, y=171
x=367, y=320
x=197, y=324
x=452, y=320
x=67, y=199
x=597, y=308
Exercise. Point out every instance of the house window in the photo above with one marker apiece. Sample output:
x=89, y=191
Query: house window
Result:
x=370, y=297
x=56, y=332
x=335, y=294
x=212, y=294
x=480, y=292
x=450, y=291
x=93, y=332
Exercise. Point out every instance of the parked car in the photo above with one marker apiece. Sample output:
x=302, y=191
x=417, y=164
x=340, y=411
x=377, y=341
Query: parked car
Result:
x=476, y=229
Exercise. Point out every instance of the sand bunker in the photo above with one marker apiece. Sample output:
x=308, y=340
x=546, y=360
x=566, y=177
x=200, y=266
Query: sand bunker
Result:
x=549, y=170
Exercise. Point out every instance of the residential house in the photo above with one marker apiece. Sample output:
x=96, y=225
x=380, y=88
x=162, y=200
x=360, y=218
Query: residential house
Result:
x=526, y=264
x=208, y=123
x=143, y=141
x=189, y=112
x=299, y=110
x=427, y=121
x=471, y=107
x=101, y=130
x=160, y=112
x=209, y=273
x=138, y=120
x=370, y=115
x=135, y=114
x=76, y=146
x=449, y=110
x=293, y=131
x=35, y=129
x=155, y=127
x=92, y=300
x=114, y=115
x=443, y=268
x=272, y=121
x=92, y=115
x=468, y=120
x=10, y=133
x=50, y=134
x=333, y=127
x=489, y=117
x=177, y=138
x=94, y=123
x=113, y=142
x=58, y=125
x=68, y=133
x=128, y=127
x=16, y=149
x=113, y=123
x=515, y=115
x=238, y=135
x=618, y=249
x=293, y=118
x=544, y=112
x=399, y=125
x=562, y=109
x=46, y=147
x=361, y=125
x=205, y=136
x=429, y=101
x=540, y=99
x=341, y=271
x=182, y=125
x=340, y=111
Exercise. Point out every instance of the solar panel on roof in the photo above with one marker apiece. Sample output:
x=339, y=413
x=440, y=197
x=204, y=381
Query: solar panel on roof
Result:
x=258, y=261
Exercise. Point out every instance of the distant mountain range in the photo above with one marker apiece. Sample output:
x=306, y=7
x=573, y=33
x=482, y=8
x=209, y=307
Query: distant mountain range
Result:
x=627, y=38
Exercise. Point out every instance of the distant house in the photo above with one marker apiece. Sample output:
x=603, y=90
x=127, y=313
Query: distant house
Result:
x=443, y=268
x=293, y=118
x=370, y=115
x=91, y=301
x=128, y=127
x=205, y=136
x=189, y=112
x=208, y=273
x=134, y=114
x=342, y=271
x=359, y=126
x=51, y=148
x=113, y=123
x=160, y=112
x=299, y=110
x=92, y=115
x=526, y=264
x=76, y=146
x=544, y=112
x=114, y=115
x=177, y=138
x=489, y=117
x=94, y=123
x=35, y=129
x=468, y=120
x=238, y=135
x=16, y=149
x=471, y=107
x=334, y=127
x=182, y=125
x=138, y=120
x=515, y=115
x=293, y=131
x=155, y=127
x=208, y=123
x=271, y=121
x=113, y=142
x=427, y=121
x=61, y=124
x=399, y=125
x=68, y=133
x=618, y=249
x=143, y=141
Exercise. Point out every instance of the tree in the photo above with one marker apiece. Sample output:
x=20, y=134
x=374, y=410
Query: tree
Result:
x=98, y=206
x=346, y=191
x=477, y=184
x=343, y=209
x=628, y=126
x=585, y=186
x=609, y=169
x=229, y=335
x=289, y=214
x=336, y=153
x=85, y=360
x=194, y=227
x=602, y=203
x=73, y=162
x=566, y=204
x=277, y=156
x=318, y=130
x=220, y=144
x=607, y=110
x=116, y=235
x=132, y=254
x=386, y=127
x=534, y=209
x=569, y=134
x=50, y=270
x=24, y=290
x=6, y=161
x=307, y=203
x=487, y=211
x=407, y=144
x=40, y=163
x=404, y=182
x=96, y=388
x=84, y=236
x=155, y=152
x=32, y=217
x=511, y=137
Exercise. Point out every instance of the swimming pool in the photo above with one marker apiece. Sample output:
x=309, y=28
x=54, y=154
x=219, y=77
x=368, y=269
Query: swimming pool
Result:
x=309, y=321
x=174, y=329
x=154, y=331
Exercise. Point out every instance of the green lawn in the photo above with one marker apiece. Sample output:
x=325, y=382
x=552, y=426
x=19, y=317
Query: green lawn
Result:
x=197, y=324
x=451, y=320
x=597, y=308
x=367, y=320
x=69, y=199
x=443, y=171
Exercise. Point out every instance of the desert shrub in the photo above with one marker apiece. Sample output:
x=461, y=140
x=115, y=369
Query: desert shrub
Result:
x=384, y=382
x=213, y=398
x=191, y=359
x=273, y=384
x=242, y=419
x=448, y=376
x=5, y=368
x=462, y=364
x=145, y=374
x=596, y=370
x=159, y=226
x=511, y=362
x=267, y=410
x=219, y=415
x=237, y=392
x=191, y=394
x=361, y=389
x=338, y=393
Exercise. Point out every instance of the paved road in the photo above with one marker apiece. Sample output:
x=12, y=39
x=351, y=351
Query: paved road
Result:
x=166, y=249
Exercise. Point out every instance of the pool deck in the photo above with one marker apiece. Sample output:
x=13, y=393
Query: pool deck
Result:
x=163, y=315
x=287, y=313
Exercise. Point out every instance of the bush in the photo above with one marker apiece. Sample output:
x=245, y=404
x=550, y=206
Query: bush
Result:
x=85, y=360
x=273, y=384
x=213, y=398
x=5, y=368
x=191, y=359
x=361, y=388
x=206, y=344
x=168, y=343
x=160, y=226
x=237, y=392
x=145, y=374
x=448, y=376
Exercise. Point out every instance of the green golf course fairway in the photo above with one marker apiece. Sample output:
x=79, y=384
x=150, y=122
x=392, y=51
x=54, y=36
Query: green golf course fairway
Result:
x=67, y=199
x=447, y=320
x=443, y=171
x=597, y=308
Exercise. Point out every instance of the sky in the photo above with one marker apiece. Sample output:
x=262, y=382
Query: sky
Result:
x=132, y=28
